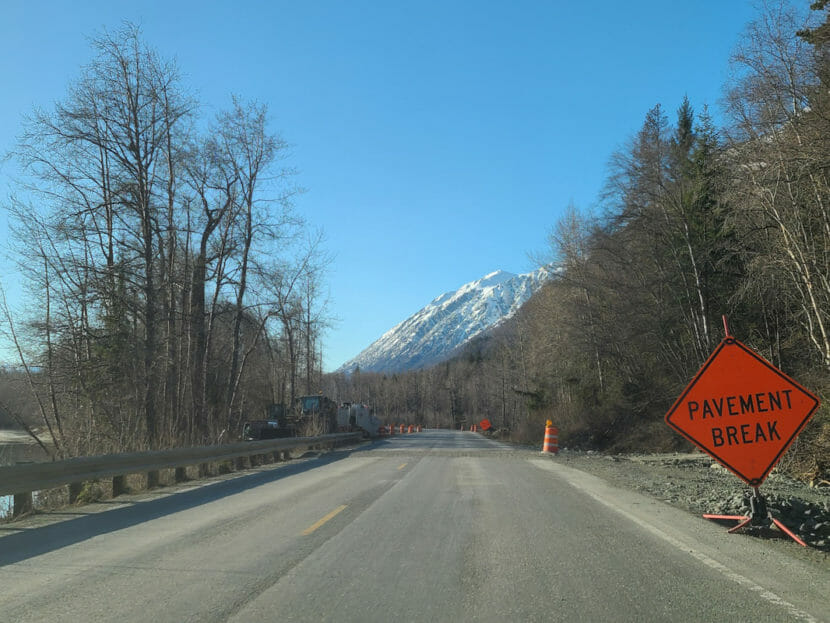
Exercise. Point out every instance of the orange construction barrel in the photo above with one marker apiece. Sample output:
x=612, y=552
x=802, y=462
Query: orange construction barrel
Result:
x=551, y=443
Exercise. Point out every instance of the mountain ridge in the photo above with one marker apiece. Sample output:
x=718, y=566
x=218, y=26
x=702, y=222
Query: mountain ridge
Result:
x=449, y=321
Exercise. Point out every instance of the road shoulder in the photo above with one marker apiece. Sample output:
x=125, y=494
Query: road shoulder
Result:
x=776, y=571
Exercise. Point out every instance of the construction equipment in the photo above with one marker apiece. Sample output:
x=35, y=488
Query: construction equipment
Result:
x=315, y=415
x=355, y=416
x=311, y=416
x=255, y=430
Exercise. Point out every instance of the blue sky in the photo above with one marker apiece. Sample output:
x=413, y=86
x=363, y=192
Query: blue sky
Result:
x=437, y=141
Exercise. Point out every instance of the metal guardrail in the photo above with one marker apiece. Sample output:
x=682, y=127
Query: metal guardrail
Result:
x=28, y=477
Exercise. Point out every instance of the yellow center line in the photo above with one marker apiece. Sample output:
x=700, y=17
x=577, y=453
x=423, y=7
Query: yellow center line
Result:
x=402, y=466
x=328, y=517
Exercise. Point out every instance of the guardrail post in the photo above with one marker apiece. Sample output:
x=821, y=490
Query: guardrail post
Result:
x=119, y=485
x=74, y=491
x=241, y=462
x=181, y=474
x=204, y=470
x=22, y=504
x=152, y=479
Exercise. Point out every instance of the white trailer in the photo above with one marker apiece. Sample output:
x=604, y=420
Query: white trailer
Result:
x=352, y=416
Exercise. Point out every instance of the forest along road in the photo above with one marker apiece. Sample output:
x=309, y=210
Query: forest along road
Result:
x=436, y=526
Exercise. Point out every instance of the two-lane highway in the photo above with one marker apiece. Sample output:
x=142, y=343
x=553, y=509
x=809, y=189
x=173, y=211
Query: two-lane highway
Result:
x=436, y=526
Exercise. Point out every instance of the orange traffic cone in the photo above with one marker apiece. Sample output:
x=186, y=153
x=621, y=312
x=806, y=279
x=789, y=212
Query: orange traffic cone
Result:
x=551, y=443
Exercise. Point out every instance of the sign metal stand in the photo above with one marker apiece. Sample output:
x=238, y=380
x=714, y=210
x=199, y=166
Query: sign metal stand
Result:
x=752, y=471
x=759, y=517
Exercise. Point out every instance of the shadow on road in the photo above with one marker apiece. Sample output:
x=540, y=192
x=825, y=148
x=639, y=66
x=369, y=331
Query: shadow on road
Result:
x=39, y=540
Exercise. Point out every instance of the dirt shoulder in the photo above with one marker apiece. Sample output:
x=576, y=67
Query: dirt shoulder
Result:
x=696, y=483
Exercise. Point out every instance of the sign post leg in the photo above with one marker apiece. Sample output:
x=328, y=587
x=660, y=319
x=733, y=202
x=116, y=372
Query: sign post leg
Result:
x=759, y=517
x=787, y=531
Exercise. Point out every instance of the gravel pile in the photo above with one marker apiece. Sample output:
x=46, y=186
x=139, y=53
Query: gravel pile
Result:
x=698, y=484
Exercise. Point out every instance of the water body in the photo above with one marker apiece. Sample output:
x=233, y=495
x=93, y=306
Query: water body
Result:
x=17, y=447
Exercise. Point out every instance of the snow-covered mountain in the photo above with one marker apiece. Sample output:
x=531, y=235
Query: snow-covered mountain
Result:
x=448, y=322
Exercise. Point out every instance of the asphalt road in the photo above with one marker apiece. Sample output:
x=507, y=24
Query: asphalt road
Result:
x=437, y=526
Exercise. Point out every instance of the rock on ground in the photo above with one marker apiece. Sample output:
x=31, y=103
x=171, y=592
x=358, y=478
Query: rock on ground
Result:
x=700, y=485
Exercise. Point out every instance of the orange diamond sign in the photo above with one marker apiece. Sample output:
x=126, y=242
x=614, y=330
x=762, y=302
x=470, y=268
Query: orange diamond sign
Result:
x=742, y=410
